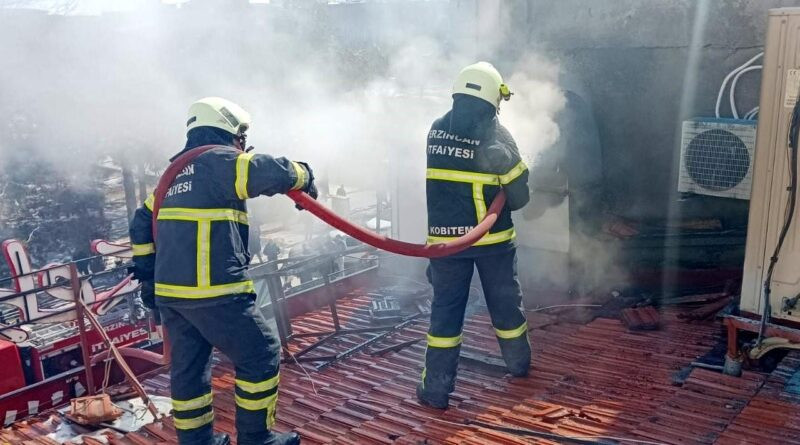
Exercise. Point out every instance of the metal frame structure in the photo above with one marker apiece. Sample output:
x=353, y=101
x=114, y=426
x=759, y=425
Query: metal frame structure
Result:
x=777, y=337
x=273, y=276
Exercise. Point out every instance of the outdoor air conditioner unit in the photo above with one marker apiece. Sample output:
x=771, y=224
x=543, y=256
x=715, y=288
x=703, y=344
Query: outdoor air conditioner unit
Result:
x=717, y=157
x=768, y=206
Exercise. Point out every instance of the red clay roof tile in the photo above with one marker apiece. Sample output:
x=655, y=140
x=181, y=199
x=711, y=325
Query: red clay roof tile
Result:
x=596, y=379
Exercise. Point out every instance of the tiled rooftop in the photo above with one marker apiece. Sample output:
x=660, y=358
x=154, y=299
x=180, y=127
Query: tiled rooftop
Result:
x=587, y=380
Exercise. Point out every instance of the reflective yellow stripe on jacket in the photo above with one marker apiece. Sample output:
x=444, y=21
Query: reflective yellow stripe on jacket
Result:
x=479, y=201
x=242, y=172
x=478, y=181
x=462, y=176
x=203, y=253
x=170, y=290
x=190, y=214
x=203, y=218
x=149, y=202
x=488, y=239
x=514, y=173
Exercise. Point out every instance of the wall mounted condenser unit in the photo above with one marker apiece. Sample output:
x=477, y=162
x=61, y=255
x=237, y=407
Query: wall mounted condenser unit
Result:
x=769, y=205
x=717, y=157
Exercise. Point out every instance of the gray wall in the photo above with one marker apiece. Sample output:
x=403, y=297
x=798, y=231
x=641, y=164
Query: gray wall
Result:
x=632, y=56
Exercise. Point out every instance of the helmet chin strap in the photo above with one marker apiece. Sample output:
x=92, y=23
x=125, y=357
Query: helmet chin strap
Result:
x=241, y=142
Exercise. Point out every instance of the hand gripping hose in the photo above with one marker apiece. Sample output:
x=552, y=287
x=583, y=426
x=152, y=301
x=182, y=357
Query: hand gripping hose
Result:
x=357, y=232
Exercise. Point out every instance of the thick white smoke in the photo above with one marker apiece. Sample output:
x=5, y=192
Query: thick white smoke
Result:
x=537, y=100
x=352, y=94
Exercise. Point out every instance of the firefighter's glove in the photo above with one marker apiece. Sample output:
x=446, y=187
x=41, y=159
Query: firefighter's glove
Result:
x=310, y=188
x=148, y=294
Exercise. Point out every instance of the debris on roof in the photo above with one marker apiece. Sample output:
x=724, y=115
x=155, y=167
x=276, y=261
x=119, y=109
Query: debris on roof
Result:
x=641, y=318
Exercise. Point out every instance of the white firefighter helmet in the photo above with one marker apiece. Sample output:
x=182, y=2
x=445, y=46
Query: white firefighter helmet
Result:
x=220, y=113
x=483, y=81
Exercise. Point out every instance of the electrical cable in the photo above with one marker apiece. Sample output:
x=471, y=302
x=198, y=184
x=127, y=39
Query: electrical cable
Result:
x=751, y=115
x=794, y=135
x=302, y=368
x=732, y=94
x=540, y=309
x=138, y=413
x=728, y=77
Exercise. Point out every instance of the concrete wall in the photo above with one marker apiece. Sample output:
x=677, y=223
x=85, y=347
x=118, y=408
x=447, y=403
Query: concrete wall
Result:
x=632, y=56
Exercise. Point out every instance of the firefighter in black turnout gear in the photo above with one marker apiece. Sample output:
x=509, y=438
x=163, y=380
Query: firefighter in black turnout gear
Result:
x=195, y=272
x=471, y=157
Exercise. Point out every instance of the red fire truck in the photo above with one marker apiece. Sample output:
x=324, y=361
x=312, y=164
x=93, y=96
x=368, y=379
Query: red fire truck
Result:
x=43, y=346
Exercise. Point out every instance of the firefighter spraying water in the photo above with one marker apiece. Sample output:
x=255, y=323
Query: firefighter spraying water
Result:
x=193, y=271
x=471, y=159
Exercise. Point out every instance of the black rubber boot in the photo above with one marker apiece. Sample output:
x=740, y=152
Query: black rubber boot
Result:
x=269, y=438
x=432, y=399
x=517, y=355
x=220, y=439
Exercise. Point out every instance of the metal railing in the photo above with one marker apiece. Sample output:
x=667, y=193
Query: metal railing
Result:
x=274, y=274
x=68, y=308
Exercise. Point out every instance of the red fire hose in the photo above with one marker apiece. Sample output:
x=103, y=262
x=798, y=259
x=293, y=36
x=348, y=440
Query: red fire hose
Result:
x=357, y=232
x=401, y=247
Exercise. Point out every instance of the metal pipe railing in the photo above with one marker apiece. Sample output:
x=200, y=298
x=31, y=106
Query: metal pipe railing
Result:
x=273, y=276
x=52, y=314
x=79, y=310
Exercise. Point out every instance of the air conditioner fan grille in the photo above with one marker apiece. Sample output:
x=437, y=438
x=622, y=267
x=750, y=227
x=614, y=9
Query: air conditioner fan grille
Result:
x=717, y=160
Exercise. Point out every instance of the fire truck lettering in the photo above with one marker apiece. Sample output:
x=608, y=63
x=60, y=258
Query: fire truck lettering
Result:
x=114, y=326
x=122, y=338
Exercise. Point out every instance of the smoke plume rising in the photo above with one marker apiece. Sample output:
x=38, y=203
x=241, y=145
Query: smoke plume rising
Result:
x=351, y=89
